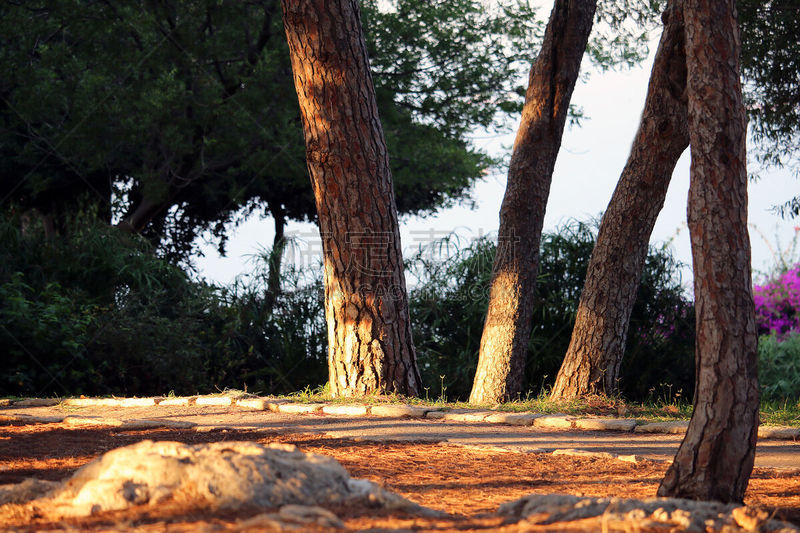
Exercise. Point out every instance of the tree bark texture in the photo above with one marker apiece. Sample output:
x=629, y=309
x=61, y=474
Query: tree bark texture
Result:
x=370, y=348
x=595, y=352
x=715, y=459
x=506, y=331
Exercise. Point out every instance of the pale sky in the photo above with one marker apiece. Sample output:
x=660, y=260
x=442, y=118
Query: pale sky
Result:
x=588, y=167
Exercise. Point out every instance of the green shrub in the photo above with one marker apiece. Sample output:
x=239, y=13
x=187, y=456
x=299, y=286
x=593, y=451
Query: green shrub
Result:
x=779, y=367
x=449, y=302
x=95, y=311
x=283, y=336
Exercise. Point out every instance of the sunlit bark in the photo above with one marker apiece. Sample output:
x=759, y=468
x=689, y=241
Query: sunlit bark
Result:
x=716, y=457
x=366, y=307
x=506, y=332
x=595, y=352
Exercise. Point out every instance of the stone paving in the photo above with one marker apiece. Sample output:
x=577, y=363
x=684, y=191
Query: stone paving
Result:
x=625, y=439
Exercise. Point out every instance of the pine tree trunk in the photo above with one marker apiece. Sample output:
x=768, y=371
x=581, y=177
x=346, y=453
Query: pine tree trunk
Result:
x=593, y=358
x=366, y=304
x=715, y=459
x=506, y=332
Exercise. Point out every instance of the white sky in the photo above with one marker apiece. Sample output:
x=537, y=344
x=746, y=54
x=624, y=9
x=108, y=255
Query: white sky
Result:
x=587, y=170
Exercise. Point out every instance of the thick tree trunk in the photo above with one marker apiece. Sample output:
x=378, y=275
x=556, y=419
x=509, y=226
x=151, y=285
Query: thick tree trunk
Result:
x=506, y=332
x=366, y=304
x=593, y=358
x=715, y=458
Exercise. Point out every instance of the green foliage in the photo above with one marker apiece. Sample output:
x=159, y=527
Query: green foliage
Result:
x=187, y=109
x=448, y=308
x=621, y=32
x=284, y=335
x=770, y=34
x=454, y=63
x=180, y=117
x=96, y=312
x=779, y=367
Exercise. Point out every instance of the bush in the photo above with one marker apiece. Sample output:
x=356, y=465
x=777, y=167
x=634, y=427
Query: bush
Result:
x=448, y=308
x=778, y=304
x=284, y=335
x=779, y=367
x=95, y=311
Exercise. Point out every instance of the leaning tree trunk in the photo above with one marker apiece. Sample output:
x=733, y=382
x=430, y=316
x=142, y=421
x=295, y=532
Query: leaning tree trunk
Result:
x=716, y=457
x=506, y=332
x=593, y=358
x=366, y=303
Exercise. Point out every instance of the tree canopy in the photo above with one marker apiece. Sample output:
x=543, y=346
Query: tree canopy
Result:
x=180, y=117
x=770, y=33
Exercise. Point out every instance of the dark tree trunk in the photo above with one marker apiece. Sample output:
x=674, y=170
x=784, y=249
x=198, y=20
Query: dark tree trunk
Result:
x=593, y=358
x=275, y=258
x=366, y=304
x=715, y=459
x=506, y=332
x=141, y=214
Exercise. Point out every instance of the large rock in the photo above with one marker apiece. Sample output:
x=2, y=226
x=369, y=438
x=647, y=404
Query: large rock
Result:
x=576, y=513
x=227, y=475
x=28, y=490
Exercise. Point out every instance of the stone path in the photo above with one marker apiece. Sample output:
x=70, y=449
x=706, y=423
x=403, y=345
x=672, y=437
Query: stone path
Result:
x=778, y=447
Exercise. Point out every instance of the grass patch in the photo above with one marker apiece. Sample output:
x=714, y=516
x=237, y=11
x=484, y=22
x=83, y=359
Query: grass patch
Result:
x=779, y=413
x=665, y=409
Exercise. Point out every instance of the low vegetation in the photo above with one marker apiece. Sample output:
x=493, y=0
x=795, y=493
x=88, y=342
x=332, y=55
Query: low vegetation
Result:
x=97, y=312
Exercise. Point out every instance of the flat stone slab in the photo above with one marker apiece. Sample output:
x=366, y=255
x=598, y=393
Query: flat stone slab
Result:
x=435, y=415
x=778, y=432
x=149, y=423
x=599, y=455
x=109, y=402
x=584, y=453
x=512, y=419
x=491, y=448
x=558, y=512
x=468, y=416
x=554, y=421
x=300, y=408
x=89, y=402
x=677, y=427
x=33, y=402
x=29, y=419
x=138, y=402
x=258, y=404
x=73, y=420
x=180, y=401
x=398, y=411
x=345, y=409
x=214, y=400
x=605, y=424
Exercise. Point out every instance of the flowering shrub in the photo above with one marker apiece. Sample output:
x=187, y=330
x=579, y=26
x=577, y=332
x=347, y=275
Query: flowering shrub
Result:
x=778, y=304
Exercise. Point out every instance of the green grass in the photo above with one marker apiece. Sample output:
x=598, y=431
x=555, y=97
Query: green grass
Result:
x=663, y=409
x=784, y=413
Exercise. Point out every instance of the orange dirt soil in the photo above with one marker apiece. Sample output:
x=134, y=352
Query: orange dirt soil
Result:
x=467, y=484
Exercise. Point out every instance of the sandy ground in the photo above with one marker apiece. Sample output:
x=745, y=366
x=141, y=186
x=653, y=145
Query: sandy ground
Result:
x=466, y=483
